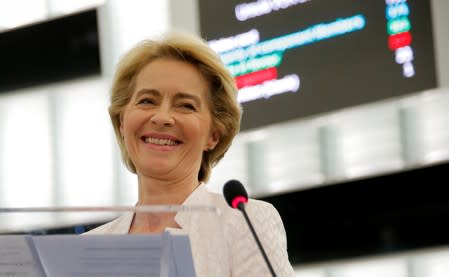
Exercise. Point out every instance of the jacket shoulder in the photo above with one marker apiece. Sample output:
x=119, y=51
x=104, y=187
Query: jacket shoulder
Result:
x=246, y=258
x=254, y=208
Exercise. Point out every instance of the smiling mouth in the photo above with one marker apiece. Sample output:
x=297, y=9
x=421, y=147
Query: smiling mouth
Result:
x=163, y=142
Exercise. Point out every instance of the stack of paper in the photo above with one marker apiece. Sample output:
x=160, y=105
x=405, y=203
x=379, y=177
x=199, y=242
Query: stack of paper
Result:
x=164, y=255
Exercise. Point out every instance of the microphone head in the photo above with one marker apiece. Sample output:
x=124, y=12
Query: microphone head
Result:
x=235, y=193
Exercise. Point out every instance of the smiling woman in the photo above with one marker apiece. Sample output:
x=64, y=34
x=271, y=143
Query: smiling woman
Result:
x=175, y=114
x=167, y=124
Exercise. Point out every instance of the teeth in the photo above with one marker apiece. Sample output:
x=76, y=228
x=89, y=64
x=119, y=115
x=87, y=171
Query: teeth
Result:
x=160, y=141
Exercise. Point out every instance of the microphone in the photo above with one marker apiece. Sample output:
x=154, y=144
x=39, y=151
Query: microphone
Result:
x=236, y=196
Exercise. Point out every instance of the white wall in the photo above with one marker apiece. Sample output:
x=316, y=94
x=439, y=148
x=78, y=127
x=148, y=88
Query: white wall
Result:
x=440, y=22
x=432, y=262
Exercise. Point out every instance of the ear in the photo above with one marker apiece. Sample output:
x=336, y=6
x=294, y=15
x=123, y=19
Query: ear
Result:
x=214, y=138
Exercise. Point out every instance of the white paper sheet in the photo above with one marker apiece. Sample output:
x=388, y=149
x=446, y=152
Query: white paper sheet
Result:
x=164, y=255
x=105, y=255
x=17, y=259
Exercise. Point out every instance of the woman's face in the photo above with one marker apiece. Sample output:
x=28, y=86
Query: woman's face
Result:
x=167, y=123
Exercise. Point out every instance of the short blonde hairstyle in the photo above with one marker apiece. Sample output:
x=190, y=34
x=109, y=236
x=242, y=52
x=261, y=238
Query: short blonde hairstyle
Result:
x=224, y=108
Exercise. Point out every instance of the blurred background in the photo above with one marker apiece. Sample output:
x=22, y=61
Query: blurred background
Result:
x=345, y=123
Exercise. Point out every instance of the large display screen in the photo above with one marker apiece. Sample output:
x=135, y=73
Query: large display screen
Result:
x=298, y=58
x=50, y=51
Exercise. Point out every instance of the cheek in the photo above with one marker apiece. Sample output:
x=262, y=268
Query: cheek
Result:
x=193, y=130
x=205, y=132
x=129, y=129
x=129, y=122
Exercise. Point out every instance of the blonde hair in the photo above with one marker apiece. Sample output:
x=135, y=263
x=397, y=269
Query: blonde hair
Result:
x=224, y=108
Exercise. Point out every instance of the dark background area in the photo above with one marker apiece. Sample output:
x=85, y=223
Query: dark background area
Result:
x=51, y=51
x=384, y=214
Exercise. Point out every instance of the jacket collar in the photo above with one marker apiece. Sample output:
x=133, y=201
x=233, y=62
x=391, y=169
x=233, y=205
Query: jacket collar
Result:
x=198, y=200
x=199, y=203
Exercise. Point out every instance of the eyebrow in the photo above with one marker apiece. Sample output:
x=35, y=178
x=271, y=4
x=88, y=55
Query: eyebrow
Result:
x=178, y=95
x=141, y=92
x=194, y=98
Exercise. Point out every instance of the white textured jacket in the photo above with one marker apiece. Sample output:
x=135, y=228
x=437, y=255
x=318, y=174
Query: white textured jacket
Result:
x=225, y=247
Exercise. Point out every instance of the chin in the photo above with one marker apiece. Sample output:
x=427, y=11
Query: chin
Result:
x=155, y=171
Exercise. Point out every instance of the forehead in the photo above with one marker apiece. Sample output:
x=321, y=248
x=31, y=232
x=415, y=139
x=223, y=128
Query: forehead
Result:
x=171, y=74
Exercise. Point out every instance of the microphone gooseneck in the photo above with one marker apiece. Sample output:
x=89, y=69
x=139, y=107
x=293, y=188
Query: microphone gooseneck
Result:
x=236, y=196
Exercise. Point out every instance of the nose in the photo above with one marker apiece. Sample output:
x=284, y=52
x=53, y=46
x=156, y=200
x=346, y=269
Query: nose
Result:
x=162, y=116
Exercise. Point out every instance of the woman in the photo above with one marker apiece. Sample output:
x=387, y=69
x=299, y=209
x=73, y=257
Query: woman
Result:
x=175, y=114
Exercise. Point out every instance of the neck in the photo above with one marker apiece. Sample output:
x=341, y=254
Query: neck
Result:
x=165, y=192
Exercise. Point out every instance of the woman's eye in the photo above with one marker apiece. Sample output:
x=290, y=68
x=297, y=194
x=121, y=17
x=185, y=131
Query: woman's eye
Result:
x=145, y=101
x=188, y=106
